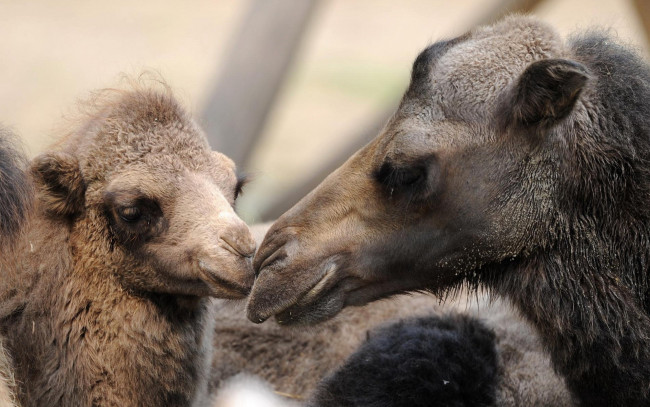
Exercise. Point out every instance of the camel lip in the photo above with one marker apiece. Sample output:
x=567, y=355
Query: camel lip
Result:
x=321, y=309
x=328, y=302
x=327, y=271
x=324, y=301
x=272, y=259
x=232, y=289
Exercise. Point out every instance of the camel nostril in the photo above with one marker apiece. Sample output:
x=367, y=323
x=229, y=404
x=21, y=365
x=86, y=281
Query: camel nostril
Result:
x=244, y=246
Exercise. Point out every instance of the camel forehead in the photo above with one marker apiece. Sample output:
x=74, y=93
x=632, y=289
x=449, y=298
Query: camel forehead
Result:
x=466, y=81
x=150, y=128
x=162, y=150
x=452, y=100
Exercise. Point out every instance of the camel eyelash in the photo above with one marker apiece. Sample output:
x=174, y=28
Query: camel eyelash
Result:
x=242, y=180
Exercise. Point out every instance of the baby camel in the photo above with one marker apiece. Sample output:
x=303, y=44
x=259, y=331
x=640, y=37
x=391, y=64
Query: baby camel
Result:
x=104, y=299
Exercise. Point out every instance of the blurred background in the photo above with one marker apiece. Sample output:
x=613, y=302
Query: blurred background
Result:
x=288, y=88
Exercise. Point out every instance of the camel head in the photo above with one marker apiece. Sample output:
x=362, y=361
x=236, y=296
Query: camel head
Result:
x=462, y=176
x=141, y=190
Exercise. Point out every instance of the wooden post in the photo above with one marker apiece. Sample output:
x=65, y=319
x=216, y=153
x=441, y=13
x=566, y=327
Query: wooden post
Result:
x=505, y=7
x=254, y=71
x=643, y=8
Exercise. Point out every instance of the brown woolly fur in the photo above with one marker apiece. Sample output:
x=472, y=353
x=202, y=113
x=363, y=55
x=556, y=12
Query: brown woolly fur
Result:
x=294, y=360
x=104, y=300
x=16, y=196
x=7, y=380
x=517, y=161
x=15, y=189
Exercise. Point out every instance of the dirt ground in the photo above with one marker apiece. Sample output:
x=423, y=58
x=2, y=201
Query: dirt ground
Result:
x=354, y=62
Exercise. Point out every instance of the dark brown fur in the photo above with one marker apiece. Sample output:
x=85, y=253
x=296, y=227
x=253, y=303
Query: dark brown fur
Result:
x=448, y=360
x=15, y=202
x=516, y=161
x=15, y=189
x=103, y=302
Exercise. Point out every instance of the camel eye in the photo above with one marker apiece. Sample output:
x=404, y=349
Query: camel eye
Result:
x=129, y=214
x=133, y=217
x=395, y=178
x=410, y=182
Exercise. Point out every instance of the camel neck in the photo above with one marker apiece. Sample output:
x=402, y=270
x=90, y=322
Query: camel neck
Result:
x=593, y=324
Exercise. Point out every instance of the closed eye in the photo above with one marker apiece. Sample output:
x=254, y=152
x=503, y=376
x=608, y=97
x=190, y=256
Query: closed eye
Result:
x=395, y=179
x=129, y=213
x=133, y=210
x=133, y=217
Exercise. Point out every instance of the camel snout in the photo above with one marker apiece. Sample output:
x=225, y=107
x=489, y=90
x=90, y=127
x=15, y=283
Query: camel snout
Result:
x=225, y=256
x=237, y=239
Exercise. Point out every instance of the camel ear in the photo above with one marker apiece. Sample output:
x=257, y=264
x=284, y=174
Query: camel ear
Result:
x=59, y=183
x=546, y=92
